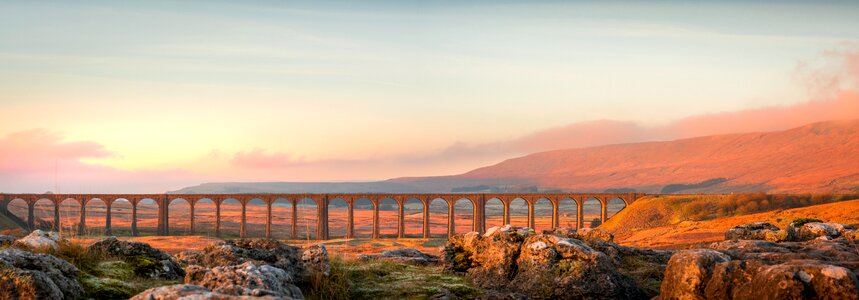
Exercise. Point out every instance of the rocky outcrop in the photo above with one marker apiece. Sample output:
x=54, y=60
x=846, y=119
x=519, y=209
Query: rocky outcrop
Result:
x=402, y=255
x=814, y=230
x=190, y=291
x=41, y=239
x=236, y=252
x=245, y=279
x=816, y=262
x=188, y=257
x=515, y=259
x=314, y=258
x=752, y=231
x=594, y=234
x=297, y=261
x=147, y=261
x=689, y=271
x=26, y=275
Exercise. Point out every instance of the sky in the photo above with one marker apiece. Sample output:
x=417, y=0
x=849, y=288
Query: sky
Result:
x=150, y=96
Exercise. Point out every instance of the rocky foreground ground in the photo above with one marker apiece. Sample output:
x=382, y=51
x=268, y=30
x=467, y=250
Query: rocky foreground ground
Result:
x=808, y=259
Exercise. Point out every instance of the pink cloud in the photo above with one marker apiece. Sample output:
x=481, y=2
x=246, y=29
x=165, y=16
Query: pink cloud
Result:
x=39, y=160
x=34, y=150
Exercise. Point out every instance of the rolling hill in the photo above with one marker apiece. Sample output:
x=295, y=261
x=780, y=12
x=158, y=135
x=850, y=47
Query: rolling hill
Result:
x=820, y=157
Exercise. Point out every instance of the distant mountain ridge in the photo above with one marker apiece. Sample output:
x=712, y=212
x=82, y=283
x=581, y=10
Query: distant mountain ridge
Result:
x=820, y=157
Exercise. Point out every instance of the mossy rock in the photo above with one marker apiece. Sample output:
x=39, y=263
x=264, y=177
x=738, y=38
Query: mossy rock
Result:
x=106, y=288
x=115, y=269
x=143, y=266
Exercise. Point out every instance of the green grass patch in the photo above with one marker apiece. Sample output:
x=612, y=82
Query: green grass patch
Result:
x=386, y=280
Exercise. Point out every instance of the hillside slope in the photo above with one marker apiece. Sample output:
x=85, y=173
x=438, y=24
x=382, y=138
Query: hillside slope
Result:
x=661, y=221
x=821, y=157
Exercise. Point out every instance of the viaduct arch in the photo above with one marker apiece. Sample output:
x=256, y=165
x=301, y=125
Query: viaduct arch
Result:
x=322, y=201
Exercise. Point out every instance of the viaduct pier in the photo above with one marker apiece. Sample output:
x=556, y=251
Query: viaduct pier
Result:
x=322, y=202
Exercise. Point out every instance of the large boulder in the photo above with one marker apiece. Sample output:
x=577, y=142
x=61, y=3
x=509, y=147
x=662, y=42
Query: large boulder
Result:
x=752, y=231
x=27, y=275
x=39, y=239
x=594, y=234
x=814, y=230
x=245, y=279
x=704, y=274
x=489, y=260
x=688, y=273
x=551, y=267
x=514, y=259
x=403, y=255
x=146, y=260
x=294, y=260
x=314, y=258
x=190, y=292
x=236, y=252
x=823, y=265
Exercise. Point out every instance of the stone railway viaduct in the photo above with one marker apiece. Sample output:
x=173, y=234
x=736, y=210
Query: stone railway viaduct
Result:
x=322, y=201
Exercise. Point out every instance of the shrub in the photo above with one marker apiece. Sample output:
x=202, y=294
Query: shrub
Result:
x=334, y=286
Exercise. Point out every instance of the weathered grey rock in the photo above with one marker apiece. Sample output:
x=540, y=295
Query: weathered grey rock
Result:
x=839, y=252
x=511, y=259
x=817, y=268
x=189, y=257
x=245, y=279
x=751, y=231
x=166, y=268
x=27, y=275
x=814, y=230
x=490, y=260
x=190, y=292
x=258, y=251
x=688, y=273
x=594, y=234
x=315, y=259
x=41, y=239
x=403, y=255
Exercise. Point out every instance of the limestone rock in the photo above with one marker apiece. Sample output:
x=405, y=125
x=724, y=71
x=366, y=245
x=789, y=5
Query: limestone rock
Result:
x=245, y=279
x=751, y=231
x=813, y=230
x=26, y=275
x=823, y=265
x=688, y=273
x=489, y=260
x=514, y=259
x=315, y=259
x=236, y=252
x=189, y=257
x=190, y=292
x=41, y=239
x=594, y=234
x=403, y=255
x=151, y=262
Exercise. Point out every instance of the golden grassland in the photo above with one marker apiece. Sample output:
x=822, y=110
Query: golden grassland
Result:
x=660, y=222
